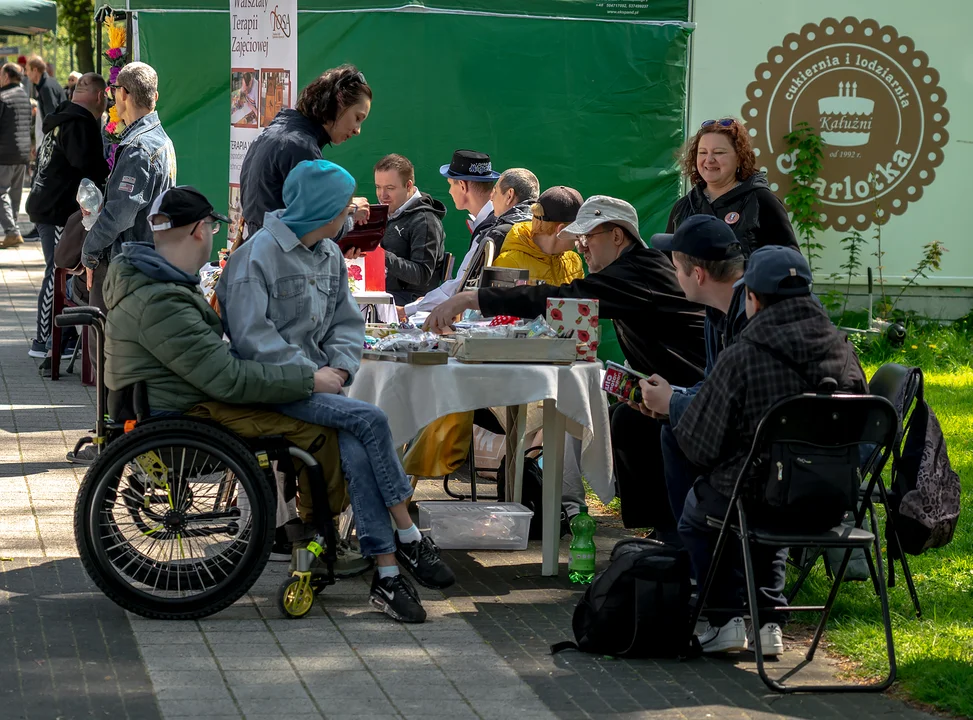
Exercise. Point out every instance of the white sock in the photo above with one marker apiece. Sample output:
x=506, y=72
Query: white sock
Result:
x=409, y=535
x=386, y=571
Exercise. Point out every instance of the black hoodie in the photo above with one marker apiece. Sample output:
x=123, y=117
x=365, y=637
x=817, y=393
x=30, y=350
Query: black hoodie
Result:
x=761, y=216
x=72, y=150
x=414, y=246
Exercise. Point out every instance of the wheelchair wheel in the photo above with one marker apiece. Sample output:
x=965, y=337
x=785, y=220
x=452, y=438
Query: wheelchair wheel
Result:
x=158, y=519
x=295, y=596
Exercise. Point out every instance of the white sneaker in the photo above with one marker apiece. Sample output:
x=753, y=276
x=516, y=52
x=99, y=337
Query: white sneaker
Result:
x=731, y=637
x=771, y=640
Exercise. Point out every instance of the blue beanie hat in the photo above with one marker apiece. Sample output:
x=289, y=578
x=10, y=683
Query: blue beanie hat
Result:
x=315, y=193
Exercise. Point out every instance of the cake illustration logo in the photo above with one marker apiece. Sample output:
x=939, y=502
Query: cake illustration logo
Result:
x=875, y=102
x=846, y=119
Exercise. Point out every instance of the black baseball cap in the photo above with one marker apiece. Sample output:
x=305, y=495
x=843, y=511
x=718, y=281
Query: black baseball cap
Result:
x=700, y=236
x=771, y=268
x=559, y=204
x=182, y=205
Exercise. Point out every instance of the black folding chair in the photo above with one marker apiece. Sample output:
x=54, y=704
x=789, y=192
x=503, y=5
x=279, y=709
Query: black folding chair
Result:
x=891, y=381
x=814, y=422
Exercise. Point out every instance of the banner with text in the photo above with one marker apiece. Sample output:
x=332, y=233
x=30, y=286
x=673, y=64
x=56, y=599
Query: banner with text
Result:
x=263, y=70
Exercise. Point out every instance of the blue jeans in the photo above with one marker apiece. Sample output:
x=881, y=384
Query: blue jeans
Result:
x=376, y=480
x=729, y=586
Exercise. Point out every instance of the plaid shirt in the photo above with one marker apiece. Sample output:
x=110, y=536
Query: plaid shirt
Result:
x=718, y=428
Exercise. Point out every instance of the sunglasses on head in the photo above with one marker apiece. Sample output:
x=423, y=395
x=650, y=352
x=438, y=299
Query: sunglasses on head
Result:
x=722, y=122
x=358, y=77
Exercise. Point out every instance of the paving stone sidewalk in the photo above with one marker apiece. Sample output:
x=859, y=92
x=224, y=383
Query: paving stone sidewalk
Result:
x=68, y=652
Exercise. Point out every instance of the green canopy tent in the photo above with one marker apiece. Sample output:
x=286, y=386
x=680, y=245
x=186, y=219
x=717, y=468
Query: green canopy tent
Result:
x=581, y=93
x=27, y=17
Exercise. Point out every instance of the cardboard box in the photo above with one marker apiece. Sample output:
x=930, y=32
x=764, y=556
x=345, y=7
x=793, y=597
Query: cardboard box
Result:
x=578, y=315
x=367, y=273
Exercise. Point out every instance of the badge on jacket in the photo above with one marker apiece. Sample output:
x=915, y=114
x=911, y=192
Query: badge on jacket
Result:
x=731, y=218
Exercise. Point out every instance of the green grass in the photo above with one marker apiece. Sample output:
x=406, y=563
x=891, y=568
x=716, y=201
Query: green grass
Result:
x=935, y=654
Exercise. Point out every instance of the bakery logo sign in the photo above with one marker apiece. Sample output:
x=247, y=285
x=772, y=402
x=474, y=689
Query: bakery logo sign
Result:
x=877, y=106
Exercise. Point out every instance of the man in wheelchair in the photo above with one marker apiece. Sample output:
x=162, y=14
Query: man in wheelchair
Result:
x=788, y=347
x=162, y=333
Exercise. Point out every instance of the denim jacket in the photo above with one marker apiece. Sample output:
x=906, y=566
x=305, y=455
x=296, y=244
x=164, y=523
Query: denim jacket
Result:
x=145, y=167
x=285, y=303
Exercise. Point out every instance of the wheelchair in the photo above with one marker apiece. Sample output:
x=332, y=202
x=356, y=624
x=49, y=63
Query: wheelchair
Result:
x=175, y=519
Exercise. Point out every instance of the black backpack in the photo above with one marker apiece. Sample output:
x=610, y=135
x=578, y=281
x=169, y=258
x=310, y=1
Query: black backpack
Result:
x=637, y=607
x=531, y=496
x=924, y=497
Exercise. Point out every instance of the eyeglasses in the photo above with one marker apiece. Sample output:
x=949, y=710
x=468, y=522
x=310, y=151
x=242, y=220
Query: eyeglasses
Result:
x=582, y=240
x=214, y=225
x=112, y=88
x=722, y=122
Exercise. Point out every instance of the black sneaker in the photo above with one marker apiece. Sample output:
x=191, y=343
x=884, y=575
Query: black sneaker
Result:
x=423, y=561
x=38, y=349
x=398, y=598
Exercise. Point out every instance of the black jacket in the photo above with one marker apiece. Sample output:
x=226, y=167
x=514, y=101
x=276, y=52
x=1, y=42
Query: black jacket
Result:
x=718, y=427
x=49, y=95
x=289, y=139
x=763, y=218
x=658, y=329
x=414, y=246
x=71, y=151
x=15, y=122
x=497, y=231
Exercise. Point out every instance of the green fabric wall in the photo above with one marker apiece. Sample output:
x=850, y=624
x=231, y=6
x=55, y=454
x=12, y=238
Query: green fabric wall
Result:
x=598, y=106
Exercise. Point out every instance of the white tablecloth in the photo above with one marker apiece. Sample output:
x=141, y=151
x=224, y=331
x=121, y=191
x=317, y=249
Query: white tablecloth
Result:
x=414, y=395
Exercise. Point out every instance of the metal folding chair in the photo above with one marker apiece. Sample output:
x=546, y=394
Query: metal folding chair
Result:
x=890, y=381
x=813, y=421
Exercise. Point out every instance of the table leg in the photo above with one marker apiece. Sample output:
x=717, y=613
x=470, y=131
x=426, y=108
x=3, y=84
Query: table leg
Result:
x=551, y=492
x=514, y=452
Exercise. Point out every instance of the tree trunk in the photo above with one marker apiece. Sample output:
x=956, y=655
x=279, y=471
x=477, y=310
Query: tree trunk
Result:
x=86, y=54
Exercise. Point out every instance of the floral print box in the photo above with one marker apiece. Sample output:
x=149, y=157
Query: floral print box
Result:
x=582, y=317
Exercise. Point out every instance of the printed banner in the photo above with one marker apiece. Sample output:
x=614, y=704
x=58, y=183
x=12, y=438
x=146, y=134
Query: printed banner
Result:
x=263, y=70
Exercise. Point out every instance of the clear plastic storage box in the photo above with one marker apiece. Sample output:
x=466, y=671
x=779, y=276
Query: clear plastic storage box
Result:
x=476, y=526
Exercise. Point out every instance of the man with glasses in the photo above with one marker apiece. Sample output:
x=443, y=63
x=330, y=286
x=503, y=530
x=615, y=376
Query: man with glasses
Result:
x=144, y=167
x=658, y=329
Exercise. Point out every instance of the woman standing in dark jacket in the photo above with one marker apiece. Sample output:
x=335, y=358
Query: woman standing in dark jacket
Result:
x=721, y=164
x=330, y=110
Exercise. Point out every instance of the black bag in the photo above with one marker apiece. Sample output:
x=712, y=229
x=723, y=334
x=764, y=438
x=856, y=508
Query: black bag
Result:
x=638, y=606
x=808, y=482
x=924, y=498
x=531, y=497
x=812, y=482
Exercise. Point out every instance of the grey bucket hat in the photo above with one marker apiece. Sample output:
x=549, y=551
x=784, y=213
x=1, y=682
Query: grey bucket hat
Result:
x=600, y=209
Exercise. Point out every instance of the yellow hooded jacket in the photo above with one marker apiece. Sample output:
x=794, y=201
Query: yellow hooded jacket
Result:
x=519, y=251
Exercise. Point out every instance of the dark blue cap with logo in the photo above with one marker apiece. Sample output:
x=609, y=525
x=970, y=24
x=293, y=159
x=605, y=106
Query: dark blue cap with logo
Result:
x=700, y=236
x=778, y=270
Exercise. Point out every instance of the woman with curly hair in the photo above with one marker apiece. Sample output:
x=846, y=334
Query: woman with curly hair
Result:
x=330, y=110
x=721, y=164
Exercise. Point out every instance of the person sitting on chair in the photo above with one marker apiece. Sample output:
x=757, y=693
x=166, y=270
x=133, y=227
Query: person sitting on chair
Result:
x=162, y=332
x=285, y=300
x=709, y=268
x=788, y=346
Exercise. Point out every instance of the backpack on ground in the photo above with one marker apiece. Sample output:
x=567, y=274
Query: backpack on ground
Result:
x=638, y=606
x=924, y=494
x=531, y=496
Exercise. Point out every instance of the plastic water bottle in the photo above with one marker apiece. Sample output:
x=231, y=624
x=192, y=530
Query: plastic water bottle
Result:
x=90, y=199
x=581, y=565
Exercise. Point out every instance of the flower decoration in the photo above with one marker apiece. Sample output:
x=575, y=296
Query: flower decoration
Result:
x=116, y=54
